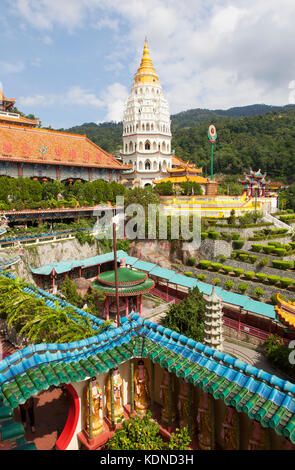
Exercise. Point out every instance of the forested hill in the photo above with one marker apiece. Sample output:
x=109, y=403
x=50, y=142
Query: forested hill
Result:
x=259, y=136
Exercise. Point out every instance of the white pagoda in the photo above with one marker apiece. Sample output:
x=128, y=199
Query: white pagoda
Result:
x=213, y=331
x=146, y=128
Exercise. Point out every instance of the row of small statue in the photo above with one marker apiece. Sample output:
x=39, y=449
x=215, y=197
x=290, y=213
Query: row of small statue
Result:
x=202, y=423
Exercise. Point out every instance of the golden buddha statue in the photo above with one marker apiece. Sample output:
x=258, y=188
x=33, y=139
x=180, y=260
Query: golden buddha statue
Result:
x=118, y=395
x=97, y=408
x=141, y=389
x=204, y=422
x=228, y=432
x=165, y=397
x=183, y=406
x=257, y=438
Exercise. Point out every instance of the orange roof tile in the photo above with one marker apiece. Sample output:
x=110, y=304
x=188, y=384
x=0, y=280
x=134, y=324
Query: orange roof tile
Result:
x=47, y=146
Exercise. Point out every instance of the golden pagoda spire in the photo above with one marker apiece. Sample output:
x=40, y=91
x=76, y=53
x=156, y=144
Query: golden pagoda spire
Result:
x=146, y=71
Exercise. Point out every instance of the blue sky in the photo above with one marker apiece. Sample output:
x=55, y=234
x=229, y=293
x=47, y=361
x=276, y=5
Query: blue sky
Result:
x=73, y=61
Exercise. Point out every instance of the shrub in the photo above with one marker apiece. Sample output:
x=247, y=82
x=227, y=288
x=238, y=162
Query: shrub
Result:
x=204, y=235
x=279, y=251
x=214, y=235
x=267, y=249
x=261, y=276
x=281, y=264
x=216, y=266
x=243, y=256
x=228, y=285
x=221, y=258
x=227, y=269
x=259, y=292
x=216, y=281
x=202, y=277
x=235, y=236
x=273, y=279
x=188, y=273
x=243, y=286
x=238, y=271
x=237, y=244
x=249, y=274
x=263, y=261
x=252, y=259
x=286, y=281
x=204, y=264
x=256, y=247
x=191, y=261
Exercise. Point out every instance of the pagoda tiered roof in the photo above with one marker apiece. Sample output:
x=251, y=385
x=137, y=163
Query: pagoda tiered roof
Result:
x=5, y=103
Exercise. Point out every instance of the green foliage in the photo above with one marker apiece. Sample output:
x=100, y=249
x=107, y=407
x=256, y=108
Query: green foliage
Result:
x=261, y=276
x=249, y=274
x=84, y=237
x=238, y=244
x=187, y=317
x=273, y=279
x=38, y=322
x=69, y=290
x=191, y=261
x=263, y=261
x=281, y=264
x=238, y=271
x=259, y=292
x=216, y=281
x=143, y=433
x=214, y=235
x=286, y=281
x=278, y=354
x=256, y=247
x=204, y=263
x=216, y=266
x=243, y=287
x=201, y=277
x=229, y=285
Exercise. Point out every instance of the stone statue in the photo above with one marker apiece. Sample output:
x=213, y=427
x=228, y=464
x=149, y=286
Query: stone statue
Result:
x=97, y=408
x=183, y=406
x=141, y=389
x=165, y=398
x=257, y=438
x=228, y=432
x=118, y=395
x=204, y=422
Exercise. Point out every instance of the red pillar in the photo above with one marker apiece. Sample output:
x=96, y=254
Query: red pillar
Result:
x=167, y=292
x=107, y=308
x=38, y=284
x=80, y=272
x=127, y=306
x=140, y=307
x=137, y=303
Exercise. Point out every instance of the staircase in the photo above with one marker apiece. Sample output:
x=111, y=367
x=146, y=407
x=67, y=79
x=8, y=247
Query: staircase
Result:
x=276, y=222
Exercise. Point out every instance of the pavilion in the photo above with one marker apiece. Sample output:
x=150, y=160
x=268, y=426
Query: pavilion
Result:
x=132, y=285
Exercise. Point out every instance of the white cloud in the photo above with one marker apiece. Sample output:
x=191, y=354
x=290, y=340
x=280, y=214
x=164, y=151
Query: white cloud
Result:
x=11, y=67
x=114, y=99
x=208, y=54
x=111, y=100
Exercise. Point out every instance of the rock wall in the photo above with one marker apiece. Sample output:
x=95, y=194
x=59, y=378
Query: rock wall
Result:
x=38, y=255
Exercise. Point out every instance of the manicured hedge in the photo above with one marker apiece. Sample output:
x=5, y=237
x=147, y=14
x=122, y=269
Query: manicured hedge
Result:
x=204, y=263
x=237, y=244
x=281, y=264
x=273, y=279
x=261, y=276
x=286, y=281
x=249, y=274
x=256, y=247
x=214, y=235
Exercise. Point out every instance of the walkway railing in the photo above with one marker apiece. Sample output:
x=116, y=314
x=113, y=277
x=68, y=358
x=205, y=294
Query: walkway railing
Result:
x=250, y=330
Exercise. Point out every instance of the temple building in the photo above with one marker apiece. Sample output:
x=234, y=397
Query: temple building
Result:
x=182, y=172
x=146, y=127
x=254, y=183
x=29, y=151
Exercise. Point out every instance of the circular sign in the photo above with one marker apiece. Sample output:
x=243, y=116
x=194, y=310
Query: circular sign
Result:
x=212, y=134
x=43, y=149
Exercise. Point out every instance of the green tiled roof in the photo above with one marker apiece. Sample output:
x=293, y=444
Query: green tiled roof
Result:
x=12, y=431
x=264, y=397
